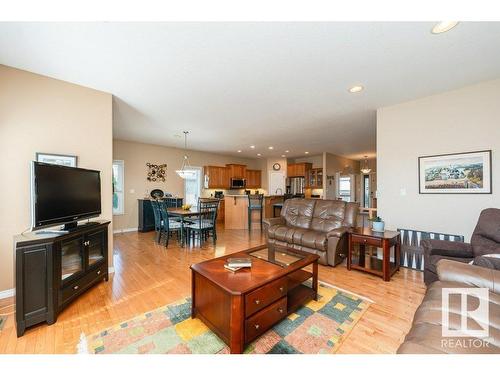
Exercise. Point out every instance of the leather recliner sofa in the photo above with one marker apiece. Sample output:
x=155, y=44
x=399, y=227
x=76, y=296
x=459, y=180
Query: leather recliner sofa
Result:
x=426, y=335
x=315, y=226
x=484, y=240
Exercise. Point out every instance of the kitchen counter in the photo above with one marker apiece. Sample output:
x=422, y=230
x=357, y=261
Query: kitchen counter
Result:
x=236, y=213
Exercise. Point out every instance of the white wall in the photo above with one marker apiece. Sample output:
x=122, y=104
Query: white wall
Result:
x=467, y=119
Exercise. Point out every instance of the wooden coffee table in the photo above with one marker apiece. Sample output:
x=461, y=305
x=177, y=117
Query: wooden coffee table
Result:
x=243, y=305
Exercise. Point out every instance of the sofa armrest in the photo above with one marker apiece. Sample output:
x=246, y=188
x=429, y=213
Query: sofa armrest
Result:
x=447, y=248
x=337, y=232
x=273, y=221
x=480, y=277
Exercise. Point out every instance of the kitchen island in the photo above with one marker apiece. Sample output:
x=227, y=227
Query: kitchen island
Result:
x=236, y=211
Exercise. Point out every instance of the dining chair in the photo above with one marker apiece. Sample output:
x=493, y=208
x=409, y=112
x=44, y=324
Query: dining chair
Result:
x=158, y=219
x=169, y=225
x=205, y=224
x=255, y=203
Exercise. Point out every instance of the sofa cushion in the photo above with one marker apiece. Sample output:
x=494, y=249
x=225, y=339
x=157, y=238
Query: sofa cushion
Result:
x=486, y=236
x=298, y=212
x=328, y=215
x=281, y=233
x=311, y=239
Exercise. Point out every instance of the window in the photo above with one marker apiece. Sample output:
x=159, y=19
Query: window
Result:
x=192, y=187
x=118, y=186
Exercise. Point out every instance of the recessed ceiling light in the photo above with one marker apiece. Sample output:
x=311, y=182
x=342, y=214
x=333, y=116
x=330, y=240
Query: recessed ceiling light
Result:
x=354, y=89
x=270, y=147
x=239, y=150
x=286, y=151
x=306, y=152
x=443, y=27
x=283, y=156
x=252, y=146
x=259, y=155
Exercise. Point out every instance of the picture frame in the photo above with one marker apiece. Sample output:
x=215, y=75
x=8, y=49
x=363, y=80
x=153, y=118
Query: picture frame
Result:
x=58, y=159
x=456, y=173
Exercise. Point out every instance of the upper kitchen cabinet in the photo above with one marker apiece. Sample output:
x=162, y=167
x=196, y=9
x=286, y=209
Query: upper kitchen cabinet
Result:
x=315, y=178
x=236, y=170
x=216, y=177
x=298, y=169
x=253, y=178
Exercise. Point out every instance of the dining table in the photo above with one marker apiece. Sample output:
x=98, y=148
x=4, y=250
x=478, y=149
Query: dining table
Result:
x=183, y=215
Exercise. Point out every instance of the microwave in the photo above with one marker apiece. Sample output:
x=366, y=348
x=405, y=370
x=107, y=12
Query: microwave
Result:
x=238, y=183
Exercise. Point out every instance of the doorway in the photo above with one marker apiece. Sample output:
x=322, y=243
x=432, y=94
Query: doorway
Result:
x=192, y=186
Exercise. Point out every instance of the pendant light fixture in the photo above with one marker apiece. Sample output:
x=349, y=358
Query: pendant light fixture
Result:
x=365, y=169
x=185, y=171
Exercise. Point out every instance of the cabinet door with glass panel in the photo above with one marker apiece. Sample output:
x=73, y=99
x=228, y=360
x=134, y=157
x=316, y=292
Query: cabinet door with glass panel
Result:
x=95, y=244
x=72, y=257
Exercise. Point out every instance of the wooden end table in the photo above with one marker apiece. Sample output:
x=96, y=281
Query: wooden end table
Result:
x=241, y=306
x=364, y=238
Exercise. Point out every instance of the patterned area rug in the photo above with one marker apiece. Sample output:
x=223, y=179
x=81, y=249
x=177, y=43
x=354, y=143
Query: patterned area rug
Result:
x=318, y=327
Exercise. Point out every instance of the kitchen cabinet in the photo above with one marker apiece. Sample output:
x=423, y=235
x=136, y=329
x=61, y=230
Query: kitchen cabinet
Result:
x=254, y=178
x=269, y=201
x=216, y=177
x=236, y=170
x=221, y=211
x=314, y=178
x=298, y=169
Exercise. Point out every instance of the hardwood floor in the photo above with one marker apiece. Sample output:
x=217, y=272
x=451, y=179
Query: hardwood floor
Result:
x=148, y=276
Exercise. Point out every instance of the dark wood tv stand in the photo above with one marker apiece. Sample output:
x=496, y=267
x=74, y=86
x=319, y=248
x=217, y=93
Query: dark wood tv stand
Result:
x=51, y=270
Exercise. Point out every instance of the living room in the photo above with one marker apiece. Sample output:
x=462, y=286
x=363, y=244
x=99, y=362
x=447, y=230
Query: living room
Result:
x=221, y=195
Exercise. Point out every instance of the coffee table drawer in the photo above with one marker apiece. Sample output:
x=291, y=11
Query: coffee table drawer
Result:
x=366, y=240
x=265, y=319
x=264, y=296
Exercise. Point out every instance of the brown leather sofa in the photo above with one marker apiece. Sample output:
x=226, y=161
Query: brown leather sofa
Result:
x=315, y=226
x=484, y=240
x=425, y=336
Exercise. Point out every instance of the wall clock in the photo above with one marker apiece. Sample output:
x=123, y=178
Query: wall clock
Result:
x=276, y=166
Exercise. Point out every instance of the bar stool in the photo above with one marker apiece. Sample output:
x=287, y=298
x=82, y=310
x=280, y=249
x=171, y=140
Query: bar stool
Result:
x=255, y=202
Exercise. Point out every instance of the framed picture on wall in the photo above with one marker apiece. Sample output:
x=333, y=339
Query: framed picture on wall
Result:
x=460, y=173
x=66, y=160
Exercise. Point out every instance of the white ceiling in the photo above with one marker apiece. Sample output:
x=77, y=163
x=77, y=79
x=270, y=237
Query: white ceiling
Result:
x=236, y=84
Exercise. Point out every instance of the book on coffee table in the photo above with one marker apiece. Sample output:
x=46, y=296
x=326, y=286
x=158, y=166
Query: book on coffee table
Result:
x=232, y=269
x=239, y=262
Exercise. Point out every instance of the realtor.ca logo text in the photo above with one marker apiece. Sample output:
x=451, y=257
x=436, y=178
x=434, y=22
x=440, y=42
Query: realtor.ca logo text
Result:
x=465, y=318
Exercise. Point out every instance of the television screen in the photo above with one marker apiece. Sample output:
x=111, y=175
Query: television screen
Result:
x=64, y=194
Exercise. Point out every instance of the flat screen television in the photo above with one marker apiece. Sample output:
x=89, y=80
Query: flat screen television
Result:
x=63, y=195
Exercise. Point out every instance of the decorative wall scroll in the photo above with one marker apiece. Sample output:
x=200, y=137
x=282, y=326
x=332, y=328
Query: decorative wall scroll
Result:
x=156, y=172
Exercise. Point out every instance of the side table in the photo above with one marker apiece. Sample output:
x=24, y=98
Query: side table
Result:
x=363, y=239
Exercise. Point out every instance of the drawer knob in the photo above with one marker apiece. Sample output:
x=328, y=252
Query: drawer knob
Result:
x=257, y=301
x=365, y=240
x=75, y=287
x=257, y=326
x=281, y=289
x=99, y=272
x=280, y=310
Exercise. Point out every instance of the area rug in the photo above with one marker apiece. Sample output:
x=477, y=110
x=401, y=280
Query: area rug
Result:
x=318, y=327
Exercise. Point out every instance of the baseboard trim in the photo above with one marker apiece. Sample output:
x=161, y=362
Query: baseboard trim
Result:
x=125, y=230
x=10, y=292
x=7, y=293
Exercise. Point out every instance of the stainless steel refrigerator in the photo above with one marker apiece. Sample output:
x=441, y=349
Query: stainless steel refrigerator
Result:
x=295, y=185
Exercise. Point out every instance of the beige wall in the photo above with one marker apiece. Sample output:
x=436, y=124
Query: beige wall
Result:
x=41, y=114
x=467, y=119
x=136, y=155
x=333, y=164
